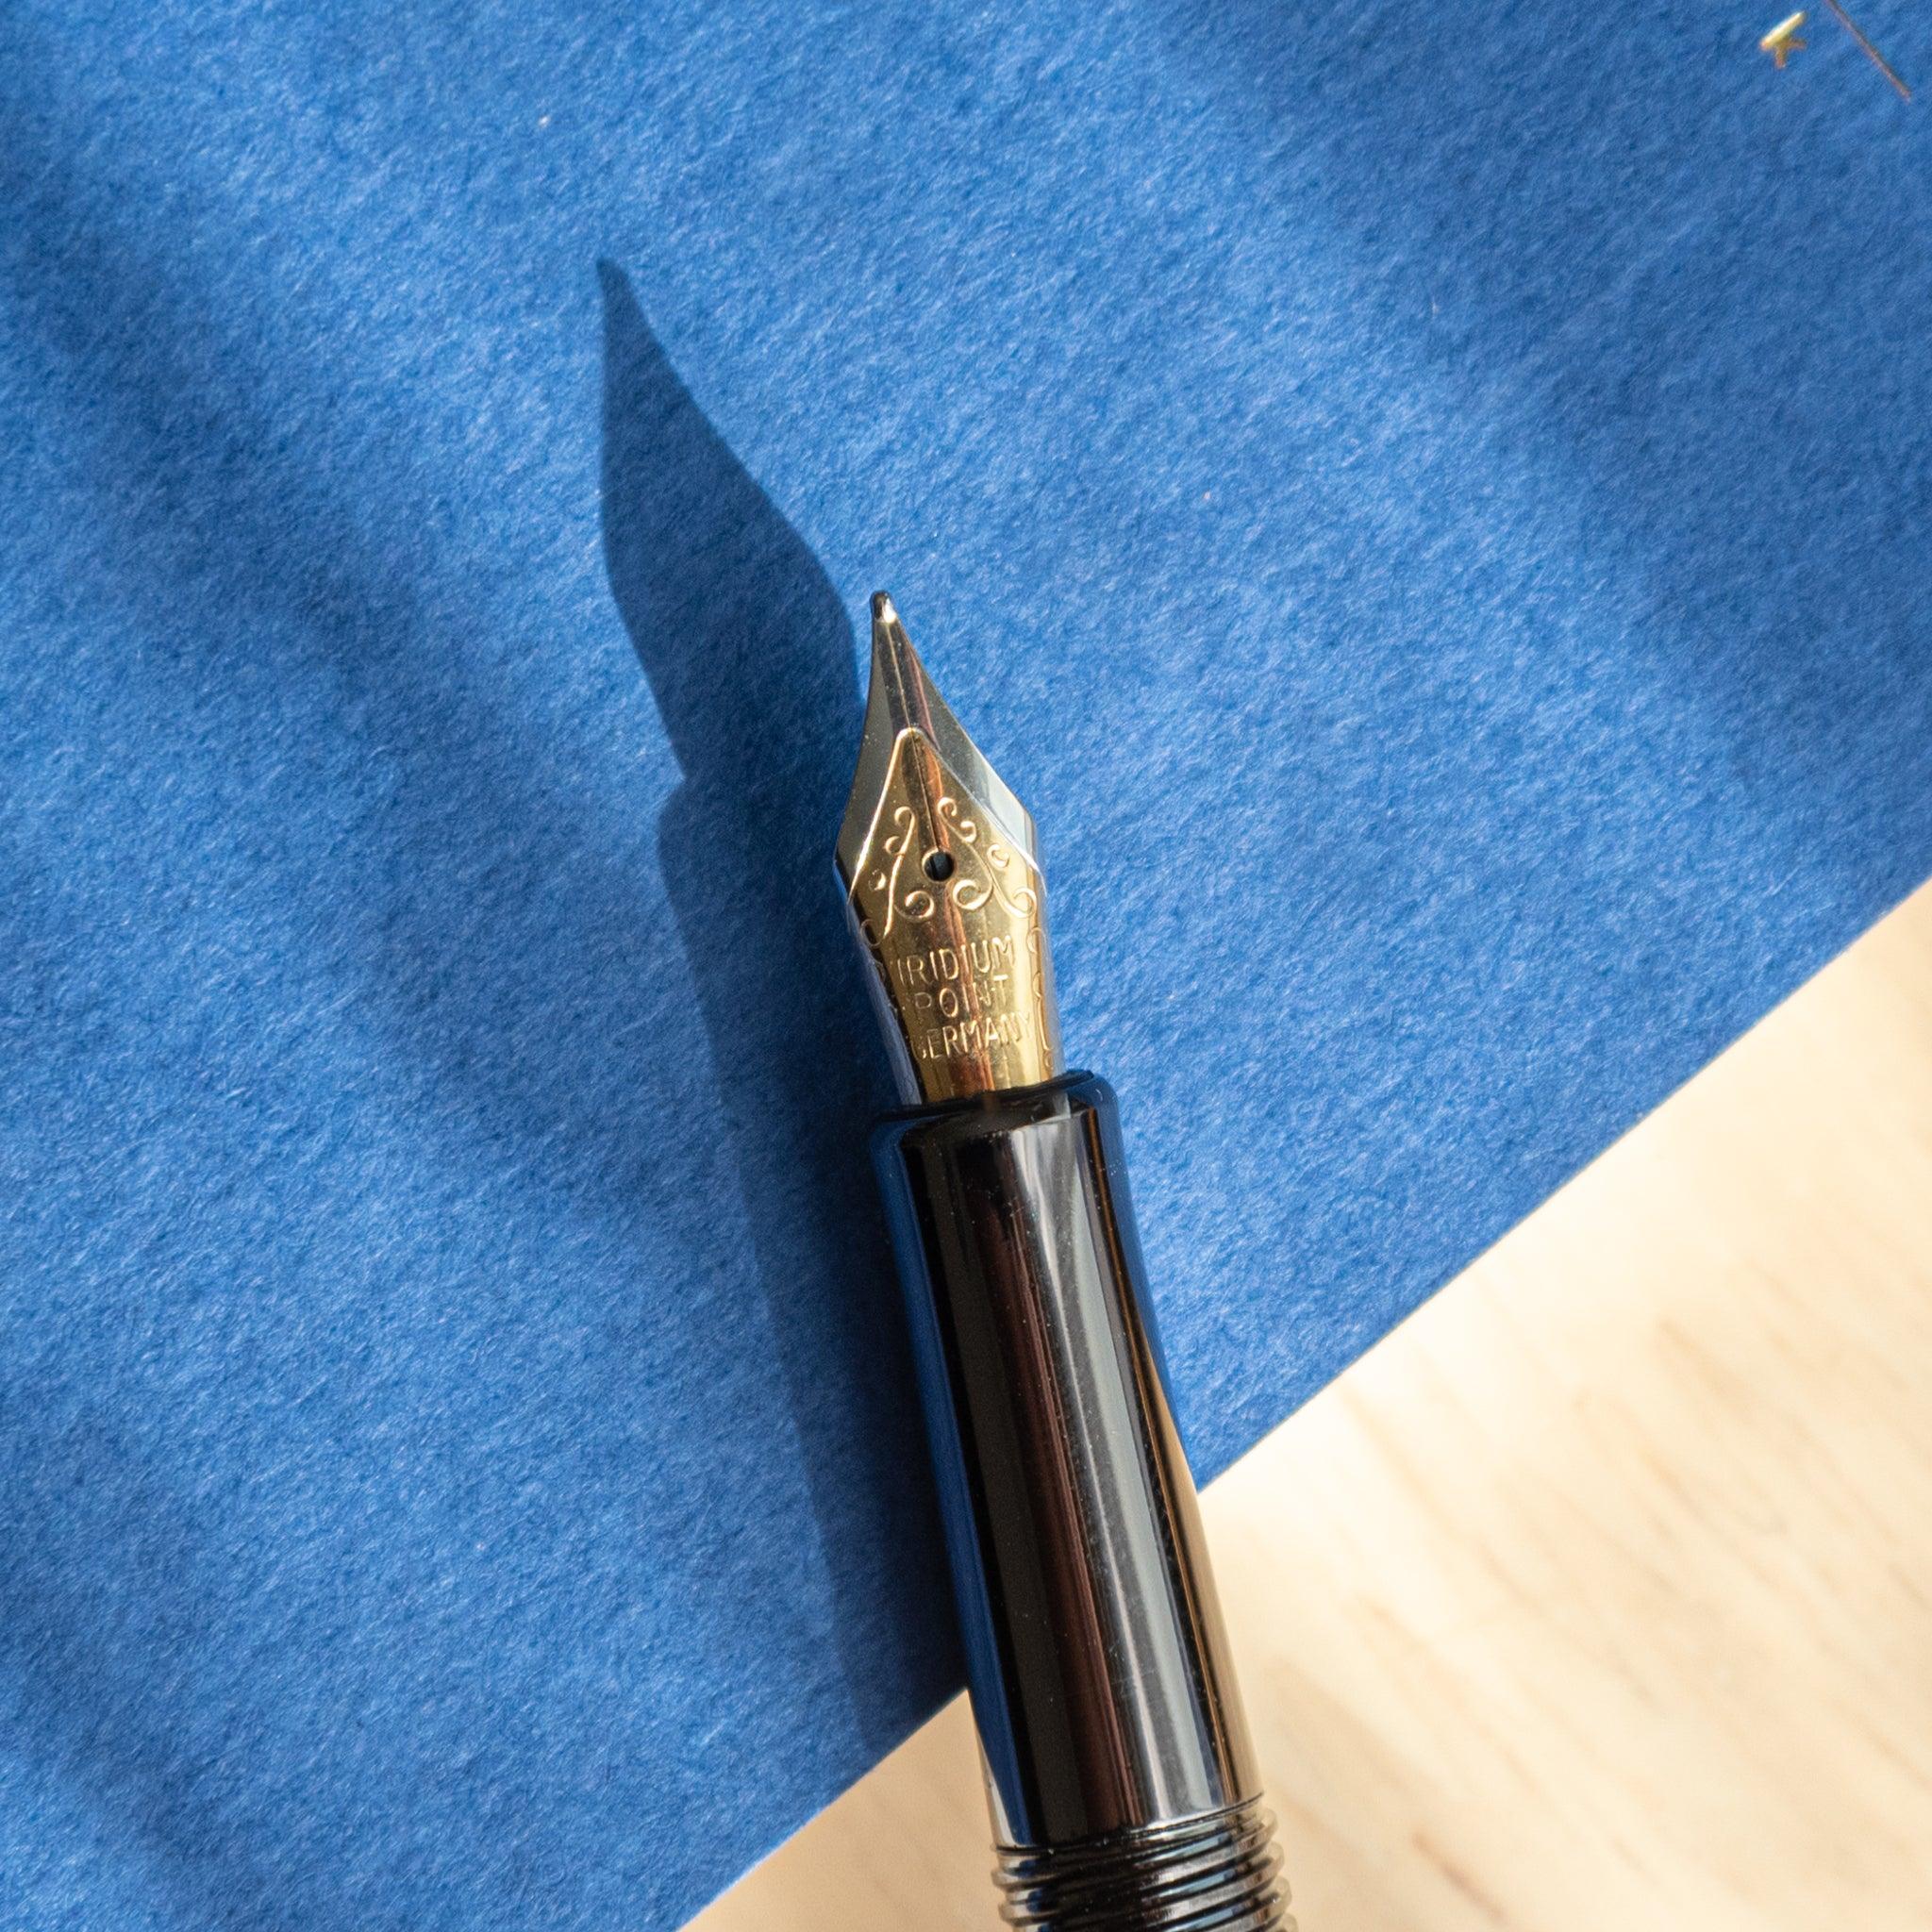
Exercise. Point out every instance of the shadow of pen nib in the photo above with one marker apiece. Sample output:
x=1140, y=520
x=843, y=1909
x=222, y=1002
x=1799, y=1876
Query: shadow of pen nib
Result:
x=749, y=656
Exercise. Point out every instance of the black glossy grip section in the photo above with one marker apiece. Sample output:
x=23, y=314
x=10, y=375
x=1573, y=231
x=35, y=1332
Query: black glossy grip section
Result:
x=1095, y=1652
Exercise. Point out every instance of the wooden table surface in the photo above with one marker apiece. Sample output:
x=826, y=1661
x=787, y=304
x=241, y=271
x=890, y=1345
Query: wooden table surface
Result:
x=1598, y=1595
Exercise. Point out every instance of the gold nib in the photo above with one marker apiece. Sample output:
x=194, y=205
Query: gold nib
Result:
x=943, y=886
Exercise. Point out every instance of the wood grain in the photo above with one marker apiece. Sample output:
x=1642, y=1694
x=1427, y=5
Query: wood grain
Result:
x=1598, y=1594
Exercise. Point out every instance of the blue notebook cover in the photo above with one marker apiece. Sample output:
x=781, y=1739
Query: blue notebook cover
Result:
x=1429, y=509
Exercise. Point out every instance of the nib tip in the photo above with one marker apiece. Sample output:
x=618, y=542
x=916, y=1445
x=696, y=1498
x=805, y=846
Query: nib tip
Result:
x=903, y=698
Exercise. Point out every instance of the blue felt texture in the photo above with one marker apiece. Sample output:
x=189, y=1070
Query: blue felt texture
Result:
x=1430, y=510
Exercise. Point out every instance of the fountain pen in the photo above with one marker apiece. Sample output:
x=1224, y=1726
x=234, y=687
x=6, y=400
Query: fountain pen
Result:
x=1119, y=1773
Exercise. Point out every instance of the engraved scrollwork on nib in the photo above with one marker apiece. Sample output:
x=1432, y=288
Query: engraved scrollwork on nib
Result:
x=948, y=809
x=1018, y=898
x=884, y=884
x=967, y=887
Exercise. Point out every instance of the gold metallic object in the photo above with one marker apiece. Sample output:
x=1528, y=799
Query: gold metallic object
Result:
x=943, y=883
x=1782, y=42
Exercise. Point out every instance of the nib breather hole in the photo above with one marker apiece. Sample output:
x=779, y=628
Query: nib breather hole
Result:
x=938, y=867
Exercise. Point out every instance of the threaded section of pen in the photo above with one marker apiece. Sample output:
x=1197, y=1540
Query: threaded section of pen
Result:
x=1220, y=1872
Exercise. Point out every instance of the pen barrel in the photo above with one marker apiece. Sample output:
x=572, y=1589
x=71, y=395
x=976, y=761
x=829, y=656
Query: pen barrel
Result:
x=1122, y=1786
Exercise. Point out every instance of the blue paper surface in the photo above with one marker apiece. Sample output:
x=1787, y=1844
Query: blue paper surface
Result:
x=1429, y=511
